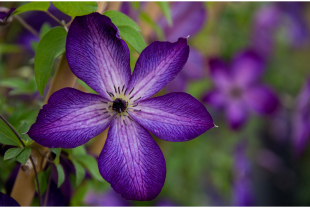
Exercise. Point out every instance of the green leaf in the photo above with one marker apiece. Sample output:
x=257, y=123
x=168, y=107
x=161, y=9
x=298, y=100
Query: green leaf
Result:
x=56, y=150
x=13, y=83
x=165, y=8
x=80, y=150
x=44, y=29
x=120, y=19
x=56, y=161
x=61, y=175
x=50, y=46
x=91, y=165
x=34, y=45
x=32, y=6
x=133, y=37
x=13, y=152
x=76, y=8
x=20, y=86
x=22, y=129
x=9, y=48
x=24, y=155
x=89, y=89
x=42, y=177
x=159, y=32
x=7, y=136
x=80, y=172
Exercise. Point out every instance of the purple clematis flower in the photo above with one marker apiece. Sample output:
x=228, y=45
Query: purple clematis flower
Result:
x=130, y=161
x=188, y=19
x=7, y=201
x=242, y=188
x=108, y=199
x=4, y=15
x=237, y=88
x=301, y=120
x=269, y=18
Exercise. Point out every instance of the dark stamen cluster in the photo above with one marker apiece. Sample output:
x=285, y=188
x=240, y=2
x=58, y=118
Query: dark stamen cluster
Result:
x=236, y=92
x=119, y=105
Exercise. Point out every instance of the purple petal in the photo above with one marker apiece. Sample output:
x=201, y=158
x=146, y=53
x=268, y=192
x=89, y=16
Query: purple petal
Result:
x=70, y=119
x=242, y=188
x=247, y=68
x=55, y=197
x=266, y=20
x=236, y=114
x=178, y=84
x=132, y=162
x=7, y=201
x=187, y=17
x=4, y=14
x=243, y=193
x=96, y=54
x=262, y=99
x=301, y=120
x=219, y=73
x=297, y=25
x=174, y=117
x=194, y=67
x=108, y=199
x=157, y=65
x=215, y=98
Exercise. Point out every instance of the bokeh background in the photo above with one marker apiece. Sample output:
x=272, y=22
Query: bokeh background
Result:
x=249, y=65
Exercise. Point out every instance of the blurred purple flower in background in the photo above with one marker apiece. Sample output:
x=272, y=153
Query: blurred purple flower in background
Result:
x=270, y=17
x=7, y=201
x=188, y=19
x=238, y=89
x=242, y=188
x=108, y=199
x=4, y=14
x=301, y=120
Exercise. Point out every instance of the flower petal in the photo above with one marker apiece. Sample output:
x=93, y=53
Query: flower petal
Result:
x=215, y=98
x=262, y=99
x=132, y=162
x=4, y=14
x=70, y=119
x=96, y=54
x=188, y=18
x=195, y=65
x=236, y=114
x=174, y=117
x=7, y=201
x=247, y=68
x=219, y=73
x=158, y=64
x=178, y=84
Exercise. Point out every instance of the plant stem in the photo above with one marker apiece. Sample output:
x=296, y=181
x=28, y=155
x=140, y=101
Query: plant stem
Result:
x=37, y=179
x=30, y=157
x=47, y=189
x=55, y=18
x=27, y=26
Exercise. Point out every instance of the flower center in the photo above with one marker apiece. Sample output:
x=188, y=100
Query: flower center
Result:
x=119, y=105
x=236, y=92
x=122, y=102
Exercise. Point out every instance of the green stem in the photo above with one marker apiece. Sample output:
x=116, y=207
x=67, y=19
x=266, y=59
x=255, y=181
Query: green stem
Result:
x=55, y=18
x=30, y=157
x=27, y=26
x=47, y=189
